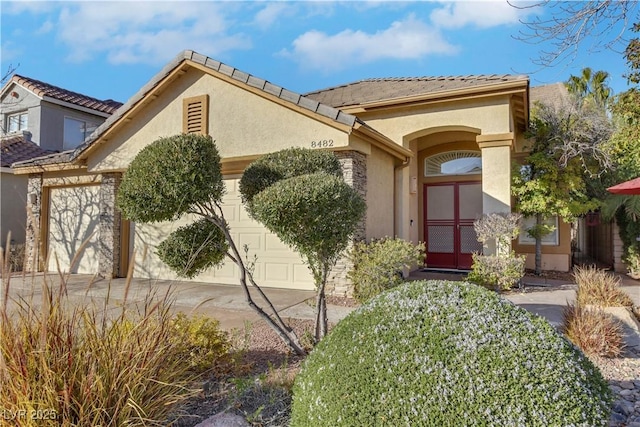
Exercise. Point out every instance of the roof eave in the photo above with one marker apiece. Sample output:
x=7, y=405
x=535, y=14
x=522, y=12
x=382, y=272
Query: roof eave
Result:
x=50, y=167
x=381, y=141
x=442, y=96
x=73, y=106
x=329, y=115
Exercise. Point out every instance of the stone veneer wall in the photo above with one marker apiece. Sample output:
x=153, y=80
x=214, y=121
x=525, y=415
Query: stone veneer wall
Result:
x=109, y=226
x=34, y=213
x=354, y=168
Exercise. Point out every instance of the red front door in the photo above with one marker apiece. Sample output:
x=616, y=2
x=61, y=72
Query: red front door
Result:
x=449, y=212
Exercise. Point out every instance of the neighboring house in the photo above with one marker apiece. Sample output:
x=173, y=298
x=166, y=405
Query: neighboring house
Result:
x=36, y=119
x=429, y=154
x=13, y=215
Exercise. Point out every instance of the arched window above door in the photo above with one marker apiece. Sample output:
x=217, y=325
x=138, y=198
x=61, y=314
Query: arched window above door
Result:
x=453, y=163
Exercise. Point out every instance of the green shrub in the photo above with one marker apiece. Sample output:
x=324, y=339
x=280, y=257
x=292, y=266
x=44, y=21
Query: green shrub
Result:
x=377, y=266
x=599, y=287
x=169, y=176
x=200, y=342
x=194, y=248
x=444, y=353
x=283, y=164
x=315, y=214
x=494, y=272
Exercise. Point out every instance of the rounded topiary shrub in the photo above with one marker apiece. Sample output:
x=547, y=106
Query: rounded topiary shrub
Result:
x=438, y=353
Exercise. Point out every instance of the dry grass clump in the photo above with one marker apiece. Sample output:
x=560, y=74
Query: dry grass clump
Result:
x=599, y=287
x=85, y=365
x=593, y=331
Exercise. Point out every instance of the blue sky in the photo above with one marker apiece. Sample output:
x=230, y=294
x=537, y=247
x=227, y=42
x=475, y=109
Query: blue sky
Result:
x=111, y=49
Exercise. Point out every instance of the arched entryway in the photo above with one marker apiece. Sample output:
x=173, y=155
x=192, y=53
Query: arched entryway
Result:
x=450, y=199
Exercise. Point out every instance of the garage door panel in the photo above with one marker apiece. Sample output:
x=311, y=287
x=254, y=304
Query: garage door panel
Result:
x=229, y=213
x=277, y=265
x=73, y=242
x=272, y=243
x=275, y=271
x=253, y=240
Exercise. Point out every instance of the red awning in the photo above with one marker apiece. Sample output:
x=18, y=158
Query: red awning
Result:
x=627, y=187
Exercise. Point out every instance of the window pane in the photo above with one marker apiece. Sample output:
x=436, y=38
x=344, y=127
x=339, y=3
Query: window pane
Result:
x=461, y=166
x=17, y=122
x=453, y=163
x=76, y=131
x=73, y=133
x=550, y=239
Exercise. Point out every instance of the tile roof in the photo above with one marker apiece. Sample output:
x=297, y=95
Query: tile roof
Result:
x=43, y=89
x=49, y=159
x=555, y=94
x=18, y=147
x=382, y=89
x=241, y=76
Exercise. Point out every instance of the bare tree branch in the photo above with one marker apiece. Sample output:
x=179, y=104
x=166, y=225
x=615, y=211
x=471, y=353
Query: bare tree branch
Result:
x=568, y=24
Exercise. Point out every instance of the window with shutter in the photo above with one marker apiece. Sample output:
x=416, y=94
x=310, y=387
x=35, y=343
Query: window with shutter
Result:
x=195, y=115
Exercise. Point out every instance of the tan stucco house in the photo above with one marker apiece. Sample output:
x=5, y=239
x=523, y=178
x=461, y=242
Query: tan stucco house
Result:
x=429, y=154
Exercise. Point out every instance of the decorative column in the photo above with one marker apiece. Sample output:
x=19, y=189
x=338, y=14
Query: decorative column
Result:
x=354, y=169
x=34, y=215
x=109, y=226
x=496, y=176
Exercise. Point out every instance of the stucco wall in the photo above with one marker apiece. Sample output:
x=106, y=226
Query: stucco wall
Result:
x=25, y=101
x=13, y=207
x=380, y=192
x=52, y=124
x=241, y=122
x=46, y=120
x=490, y=116
x=554, y=257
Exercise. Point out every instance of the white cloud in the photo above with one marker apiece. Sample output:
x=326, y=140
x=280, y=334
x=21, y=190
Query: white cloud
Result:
x=270, y=14
x=406, y=39
x=481, y=14
x=146, y=32
x=45, y=28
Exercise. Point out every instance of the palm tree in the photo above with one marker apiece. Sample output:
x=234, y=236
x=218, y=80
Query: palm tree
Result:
x=590, y=86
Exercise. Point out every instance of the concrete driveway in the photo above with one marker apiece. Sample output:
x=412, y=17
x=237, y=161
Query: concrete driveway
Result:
x=228, y=304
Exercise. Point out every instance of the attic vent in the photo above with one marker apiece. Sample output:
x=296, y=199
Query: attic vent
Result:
x=195, y=114
x=453, y=163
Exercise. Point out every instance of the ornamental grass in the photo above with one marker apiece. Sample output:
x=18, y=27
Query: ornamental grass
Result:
x=593, y=331
x=599, y=287
x=71, y=364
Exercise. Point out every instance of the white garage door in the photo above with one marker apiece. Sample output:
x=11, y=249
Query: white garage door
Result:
x=73, y=219
x=276, y=266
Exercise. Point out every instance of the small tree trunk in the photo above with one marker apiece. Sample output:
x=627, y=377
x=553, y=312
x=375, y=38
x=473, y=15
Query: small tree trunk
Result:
x=538, y=269
x=321, y=307
x=285, y=333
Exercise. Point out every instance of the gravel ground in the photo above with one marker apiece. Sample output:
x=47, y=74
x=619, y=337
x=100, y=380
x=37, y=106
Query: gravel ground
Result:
x=262, y=394
x=623, y=375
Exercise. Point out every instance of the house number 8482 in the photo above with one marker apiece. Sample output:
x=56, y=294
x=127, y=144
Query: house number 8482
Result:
x=323, y=143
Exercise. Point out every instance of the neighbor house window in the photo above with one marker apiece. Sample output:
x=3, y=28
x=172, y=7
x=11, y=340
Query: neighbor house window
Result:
x=453, y=163
x=17, y=122
x=550, y=239
x=76, y=131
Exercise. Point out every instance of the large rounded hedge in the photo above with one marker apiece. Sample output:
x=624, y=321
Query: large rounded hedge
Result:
x=438, y=353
